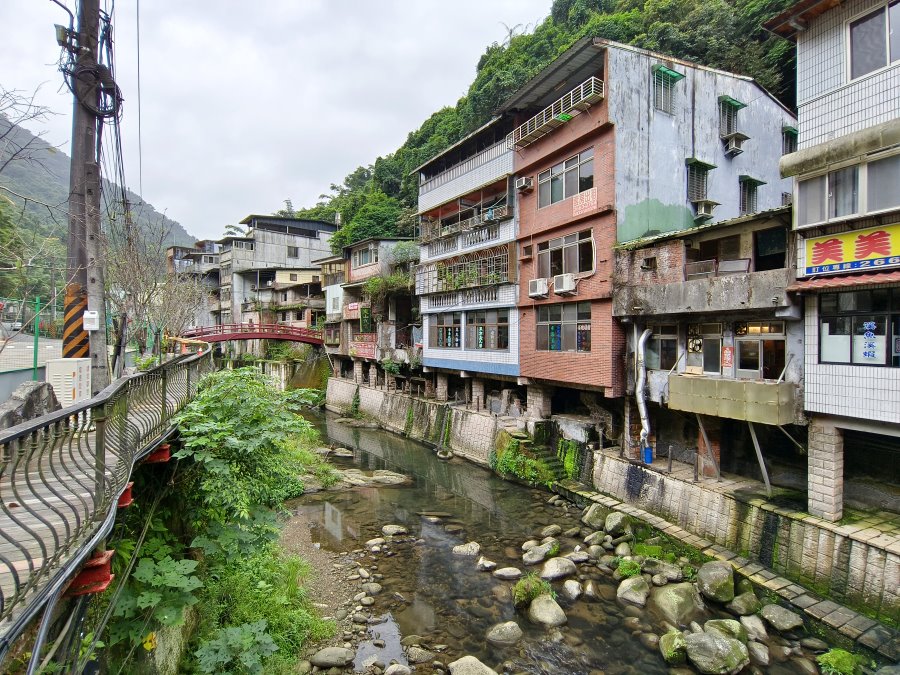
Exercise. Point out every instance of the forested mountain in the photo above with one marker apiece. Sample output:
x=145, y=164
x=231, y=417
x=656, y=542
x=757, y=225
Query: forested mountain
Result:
x=380, y=199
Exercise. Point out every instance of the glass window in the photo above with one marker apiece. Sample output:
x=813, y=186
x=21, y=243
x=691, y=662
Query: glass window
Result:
x=661, y=348
x=445, y=330
x=566, y=179
x=842, y=192
x=868, y=48
x=570, y=254
x=487, y=329
x=293, y=251
x=748, y=355
x=859, y=327
x=884, y=175
x=564, y=327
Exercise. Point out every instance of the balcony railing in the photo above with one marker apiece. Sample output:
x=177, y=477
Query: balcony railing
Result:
x=558, y=113
x=433, y=228
x=761, y=401
x=473, y=162
x=486, y=267
x=715, y=268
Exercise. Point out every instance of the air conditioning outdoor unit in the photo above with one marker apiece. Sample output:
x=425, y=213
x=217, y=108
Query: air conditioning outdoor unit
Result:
x=564, y=284
x=70, y=379
x=704, y=209
x=524, y=184
x=734, y=144
x=537, y=288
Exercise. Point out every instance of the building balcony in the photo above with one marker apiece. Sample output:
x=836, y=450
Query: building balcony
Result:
x=558, y=113
x=765, y=402
x=487, y=267
x=433, y=228
x=490, y=164
x=708, y=288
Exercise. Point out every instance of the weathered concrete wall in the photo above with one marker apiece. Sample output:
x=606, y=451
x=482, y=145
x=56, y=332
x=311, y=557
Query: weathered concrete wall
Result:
x=470, y=434
x=29, y=400
x=845, y=562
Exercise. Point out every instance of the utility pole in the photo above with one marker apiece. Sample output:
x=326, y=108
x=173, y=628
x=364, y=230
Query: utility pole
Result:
x=84, y=290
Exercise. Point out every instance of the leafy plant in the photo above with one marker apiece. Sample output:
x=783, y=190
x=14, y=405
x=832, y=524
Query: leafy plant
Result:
x=354, y=404
x=508, y=460
x=628, y=569
x=304, y=398
x=145, y=363
x=391, y=367
x=839, y=662
x=237, y=649
x=529, y=587
x=553, y=551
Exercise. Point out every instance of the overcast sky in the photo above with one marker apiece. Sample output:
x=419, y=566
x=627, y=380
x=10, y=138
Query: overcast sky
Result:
x=246, y=104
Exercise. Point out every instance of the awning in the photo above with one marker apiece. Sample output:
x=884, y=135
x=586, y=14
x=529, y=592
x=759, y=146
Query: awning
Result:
x=844, y=281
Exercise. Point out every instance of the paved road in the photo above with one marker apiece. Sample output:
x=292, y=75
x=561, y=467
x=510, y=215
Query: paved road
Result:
x=19, y=352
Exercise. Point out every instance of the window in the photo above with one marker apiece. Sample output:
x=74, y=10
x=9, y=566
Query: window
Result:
x=293, y=252
x=788, y=140
x=564, y=327
x=858, y=327
x=696, y=187
x=748, y=188
x=661, y=348
x=293, y=277
x=728, y=115
x=332, y=333
x=365, y=256
x=566, y=179
x=334, y=304
x=704, y=347
x=487, y=329
x=664, y=88
x=875, y=40
x=760, y=349
x=446, y=330
x=570, y=254
x=770, y=249
x=869, y=187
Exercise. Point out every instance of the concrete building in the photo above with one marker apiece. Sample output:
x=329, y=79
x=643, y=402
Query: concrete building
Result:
x=614, y=143
x=248, y=263
x=721, y=366
x=467, y=280
x=847, y=222
x=201, y=261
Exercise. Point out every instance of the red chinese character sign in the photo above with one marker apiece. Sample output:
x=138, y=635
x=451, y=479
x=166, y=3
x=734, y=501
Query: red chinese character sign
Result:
x=863, y=250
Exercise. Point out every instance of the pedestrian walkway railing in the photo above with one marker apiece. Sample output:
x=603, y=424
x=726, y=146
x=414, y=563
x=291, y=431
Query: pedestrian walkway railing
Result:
x=61, y=476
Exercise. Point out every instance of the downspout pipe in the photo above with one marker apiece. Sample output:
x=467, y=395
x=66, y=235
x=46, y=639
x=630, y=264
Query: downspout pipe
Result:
x=640, y=386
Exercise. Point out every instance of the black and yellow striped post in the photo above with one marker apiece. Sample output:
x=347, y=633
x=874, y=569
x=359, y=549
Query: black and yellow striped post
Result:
x=76, y=342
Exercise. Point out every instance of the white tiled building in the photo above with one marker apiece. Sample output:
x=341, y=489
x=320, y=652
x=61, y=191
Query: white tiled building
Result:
x=847, y=217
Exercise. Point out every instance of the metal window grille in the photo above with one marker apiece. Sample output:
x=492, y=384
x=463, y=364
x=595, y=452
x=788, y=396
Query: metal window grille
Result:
x=663, y=92
x=788, y=142
x=697, y=182
x=787, y=198
x=727, y=118
x=748, y=197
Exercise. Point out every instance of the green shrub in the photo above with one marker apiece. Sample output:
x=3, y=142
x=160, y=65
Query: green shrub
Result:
x=554, y=550
x=529, y=587
x=509, y=460
x=237, y=649
x=391, y=367
x=839, y=662
x=145, y=363
x=648, y=550
x=628, y=569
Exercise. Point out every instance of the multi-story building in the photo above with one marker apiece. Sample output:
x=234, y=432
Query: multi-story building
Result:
x=714, y=341
x=202, y=262
x=847, y=222
x=613, y=143
x=466, y=280
x=248, y=263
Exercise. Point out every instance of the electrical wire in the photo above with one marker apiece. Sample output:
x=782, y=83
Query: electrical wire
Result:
x=140, y=149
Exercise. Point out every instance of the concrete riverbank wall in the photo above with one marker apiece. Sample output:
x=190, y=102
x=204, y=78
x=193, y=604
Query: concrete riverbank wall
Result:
x=852, y=563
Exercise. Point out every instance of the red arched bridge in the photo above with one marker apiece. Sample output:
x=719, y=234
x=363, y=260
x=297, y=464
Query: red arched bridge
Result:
x=255, y=331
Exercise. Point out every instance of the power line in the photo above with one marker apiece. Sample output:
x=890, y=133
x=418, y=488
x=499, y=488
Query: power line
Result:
x=140, y=152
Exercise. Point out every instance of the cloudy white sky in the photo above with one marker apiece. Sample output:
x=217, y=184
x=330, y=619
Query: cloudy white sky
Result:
x=245, y=104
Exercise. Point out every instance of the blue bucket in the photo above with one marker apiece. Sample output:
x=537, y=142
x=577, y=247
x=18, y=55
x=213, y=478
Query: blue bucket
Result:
x=648, y=455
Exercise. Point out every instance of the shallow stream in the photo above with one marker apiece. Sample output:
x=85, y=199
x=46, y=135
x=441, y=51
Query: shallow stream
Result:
x=444, y=598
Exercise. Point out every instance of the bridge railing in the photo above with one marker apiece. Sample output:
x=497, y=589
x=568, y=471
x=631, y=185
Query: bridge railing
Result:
x=61, y=476
x=255, y=329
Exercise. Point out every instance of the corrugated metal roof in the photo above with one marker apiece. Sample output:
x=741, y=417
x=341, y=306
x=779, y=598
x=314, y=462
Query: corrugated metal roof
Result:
x=794, y=18
x=845, y=280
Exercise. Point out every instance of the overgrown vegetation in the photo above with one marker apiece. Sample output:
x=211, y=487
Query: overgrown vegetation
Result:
x=282, y=350
x=379, y=200
x=508, y=460
x=628, y=568
x=529, y=587
x=211, y=538
x=839, y=662
x=568, y=453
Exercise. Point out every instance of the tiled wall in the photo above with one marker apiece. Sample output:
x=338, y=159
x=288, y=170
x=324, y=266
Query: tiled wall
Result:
x=491, y=170
x=867, y=392
x=478, y=360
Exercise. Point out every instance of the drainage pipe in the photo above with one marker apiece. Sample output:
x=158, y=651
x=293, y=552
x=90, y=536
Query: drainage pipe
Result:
x=639, y=388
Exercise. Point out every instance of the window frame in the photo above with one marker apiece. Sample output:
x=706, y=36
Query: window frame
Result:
x=758, y=332
x=890, y=60
x=748, y=200
x=372, y=256
x=500, y=328
x=697, y=174
x=545, y=251
x=664, y=81
x=454, y=330
x=580, y=333
x=293, y=251
x=661, y=333
x=890, y=313
x=562, y=170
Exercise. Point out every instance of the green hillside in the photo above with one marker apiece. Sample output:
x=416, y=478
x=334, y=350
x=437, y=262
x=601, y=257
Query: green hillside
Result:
x=380, y=199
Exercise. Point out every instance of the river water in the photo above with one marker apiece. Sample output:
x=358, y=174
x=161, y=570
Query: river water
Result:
x=444, y=598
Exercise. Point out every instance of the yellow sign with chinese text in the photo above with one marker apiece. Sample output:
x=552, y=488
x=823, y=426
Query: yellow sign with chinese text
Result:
x=871, y=249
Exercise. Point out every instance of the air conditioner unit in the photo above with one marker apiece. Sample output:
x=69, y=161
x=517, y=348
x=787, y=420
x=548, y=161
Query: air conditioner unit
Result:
x=564, y=284
x=524, y=184
x=537, y=288
x=704, y=209
x=733, y=146
x=70, y=379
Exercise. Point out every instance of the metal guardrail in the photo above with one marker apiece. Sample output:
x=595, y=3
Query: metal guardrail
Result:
x=432, y=228
x=253, y=331
x=557, y=113
x=62, y=474
x=457, y=170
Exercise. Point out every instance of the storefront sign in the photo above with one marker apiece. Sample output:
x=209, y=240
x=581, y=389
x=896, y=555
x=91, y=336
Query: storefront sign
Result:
x=727, y=357
x=869, y=340
x=363, y=350
x=872, y=248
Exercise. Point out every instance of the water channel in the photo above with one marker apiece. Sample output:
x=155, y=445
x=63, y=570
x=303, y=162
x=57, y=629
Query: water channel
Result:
x=444, y=598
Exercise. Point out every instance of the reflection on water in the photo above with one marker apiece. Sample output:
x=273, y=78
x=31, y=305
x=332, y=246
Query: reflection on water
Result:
x=443, y=598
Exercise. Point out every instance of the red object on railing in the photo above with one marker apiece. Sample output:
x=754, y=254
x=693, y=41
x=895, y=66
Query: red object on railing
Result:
x=126, y=499
x=255, y=331
x=94, y=577
x=161, y=455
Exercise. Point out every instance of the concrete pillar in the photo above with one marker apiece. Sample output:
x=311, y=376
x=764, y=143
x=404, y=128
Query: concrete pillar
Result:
x=713, y=426
x=440, y=392
x=478, y=393
x=357, y=371
x=373, y=375
x=538, y=401
x=429, y=387
x=825, y=473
